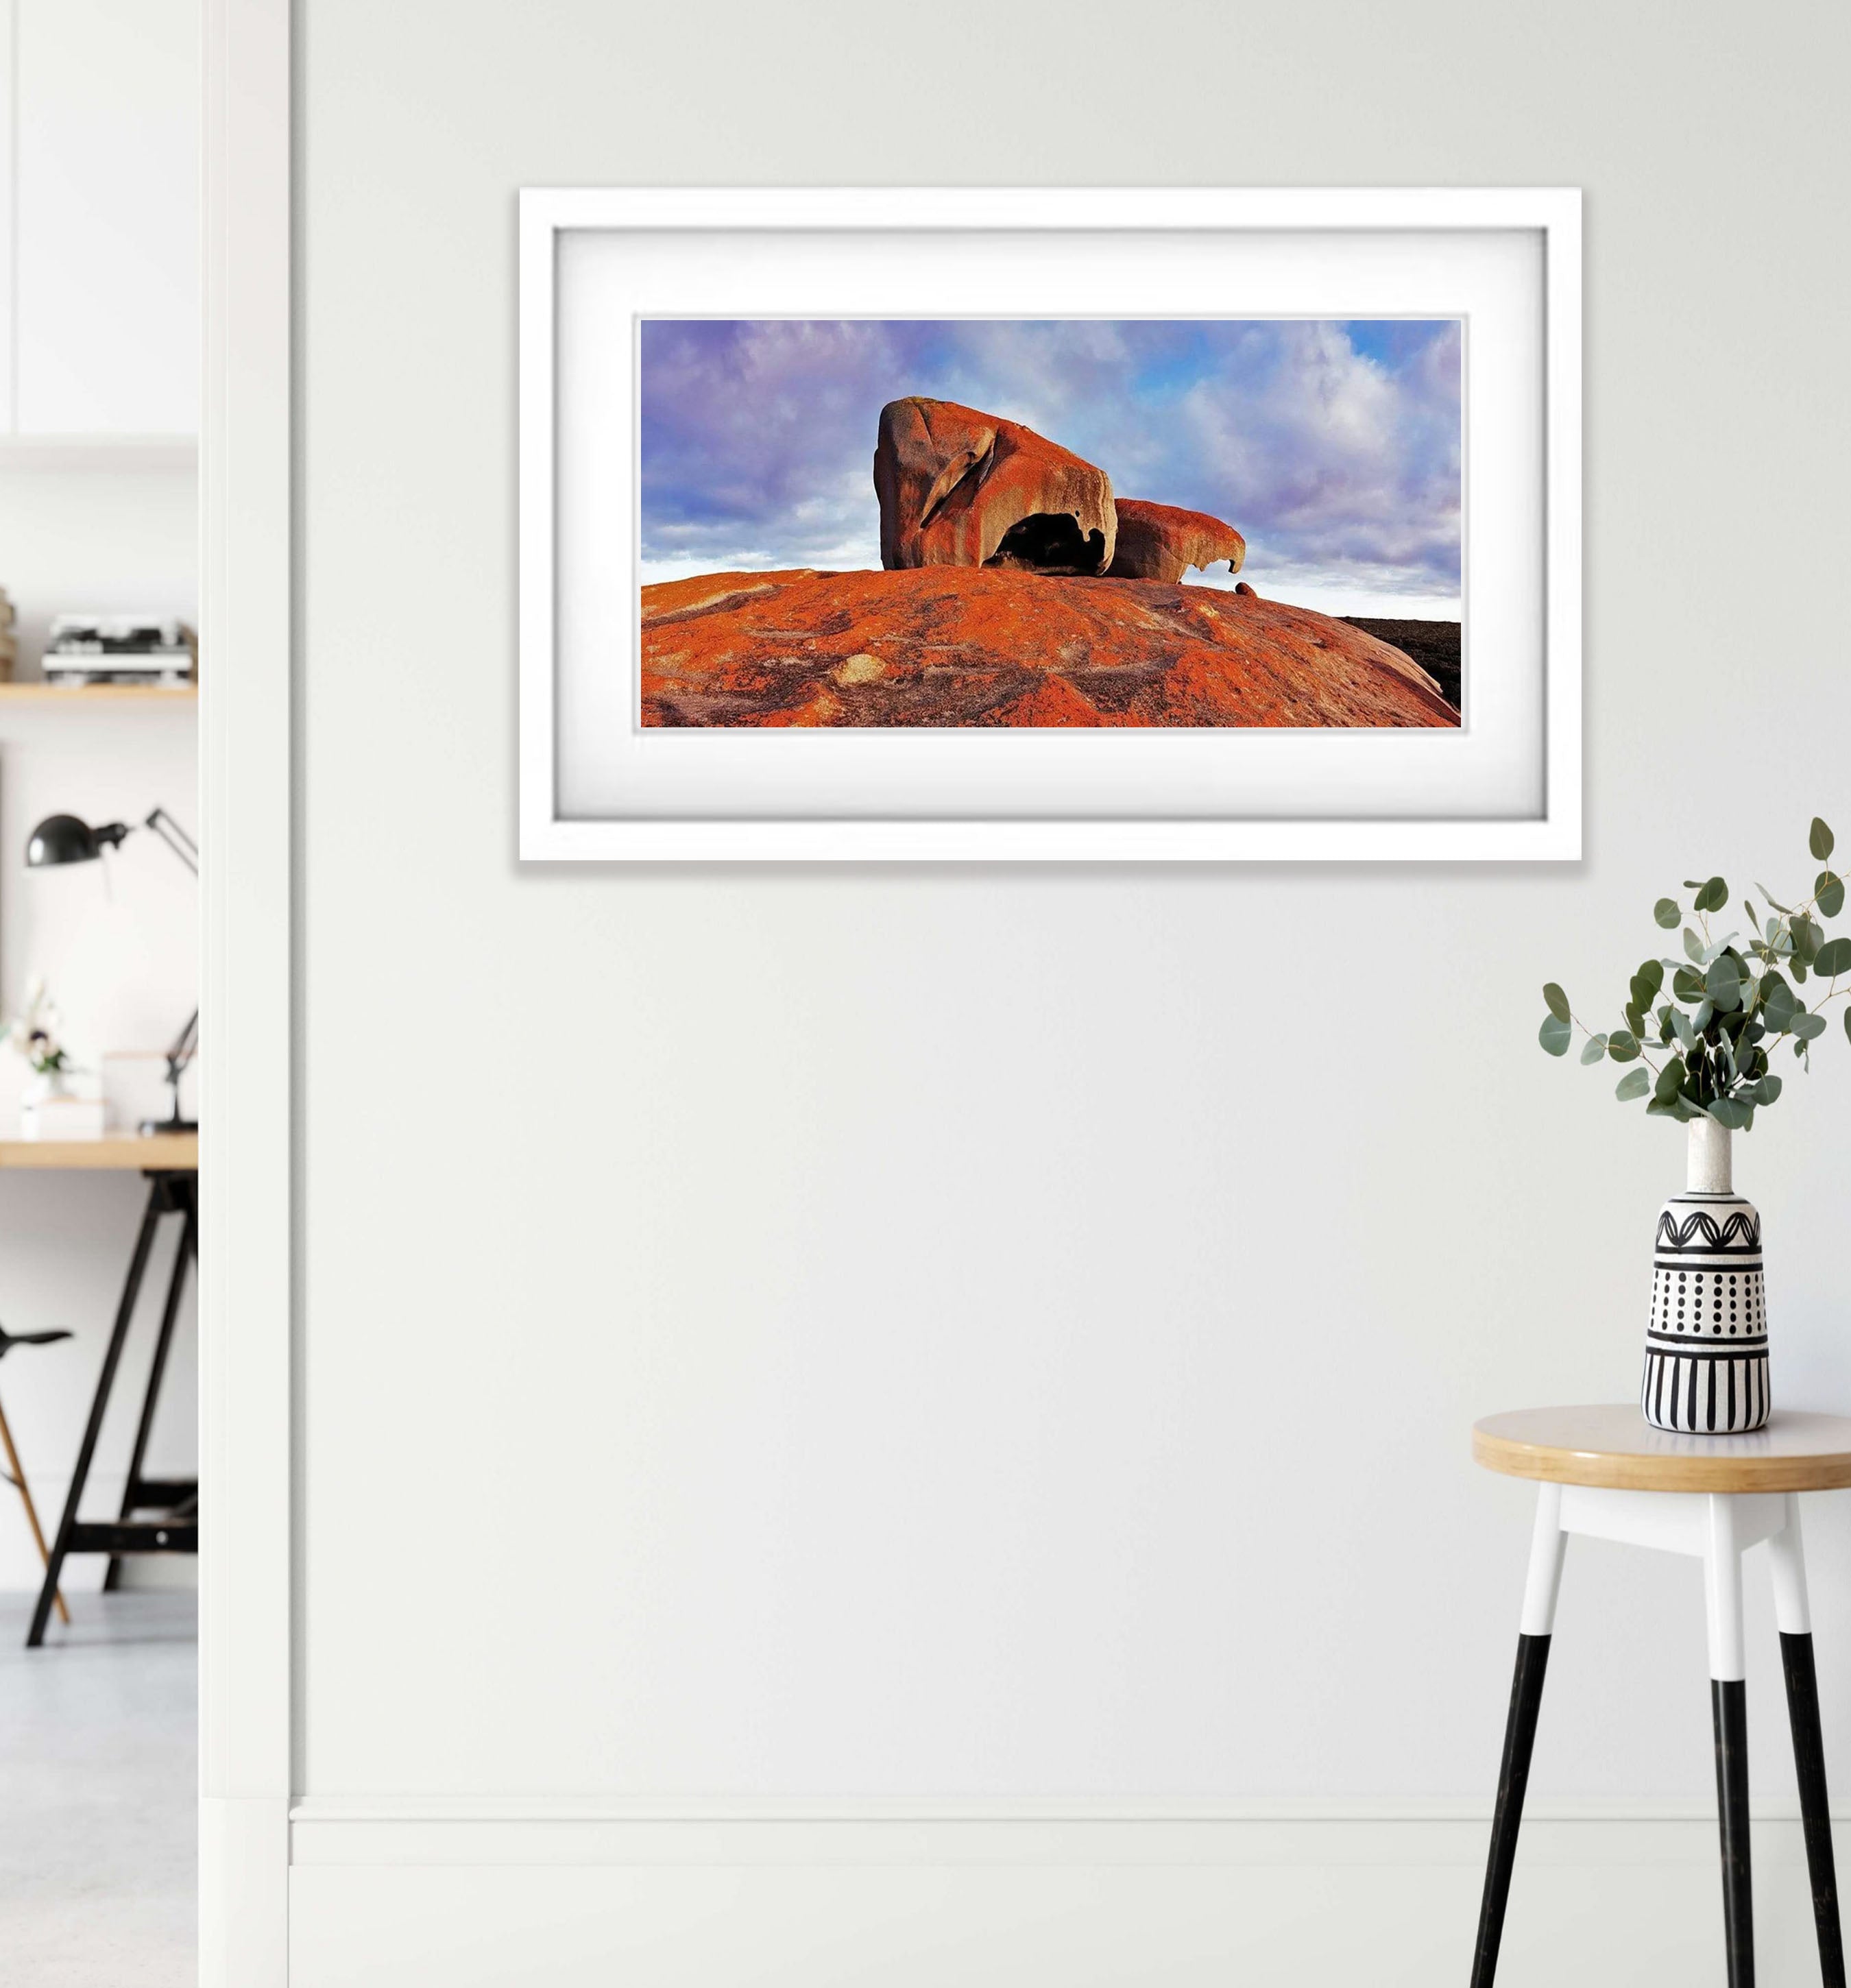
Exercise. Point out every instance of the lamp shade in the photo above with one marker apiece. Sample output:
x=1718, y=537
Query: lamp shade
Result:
x=62, y=838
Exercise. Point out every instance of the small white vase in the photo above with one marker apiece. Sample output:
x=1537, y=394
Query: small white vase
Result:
x=44, y=1085
x=1706, y=1342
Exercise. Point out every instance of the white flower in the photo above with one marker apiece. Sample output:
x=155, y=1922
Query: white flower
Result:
x=34, y=1033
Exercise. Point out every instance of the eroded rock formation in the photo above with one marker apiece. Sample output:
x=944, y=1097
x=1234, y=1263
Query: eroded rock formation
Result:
x=967, y=646
x=1016, y=592
x=960, y=488
x=1161, y=542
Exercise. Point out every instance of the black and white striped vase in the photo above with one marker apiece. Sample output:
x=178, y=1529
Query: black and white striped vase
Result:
x=1706, y=1344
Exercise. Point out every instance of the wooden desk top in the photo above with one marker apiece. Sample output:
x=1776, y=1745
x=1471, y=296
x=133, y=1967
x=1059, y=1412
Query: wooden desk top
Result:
x=1615, y=1448
x=178, y=1152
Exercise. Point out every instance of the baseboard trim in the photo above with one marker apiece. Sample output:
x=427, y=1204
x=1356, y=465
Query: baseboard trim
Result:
x=243, y=1892
x=336, y=1830
x=447, y=1893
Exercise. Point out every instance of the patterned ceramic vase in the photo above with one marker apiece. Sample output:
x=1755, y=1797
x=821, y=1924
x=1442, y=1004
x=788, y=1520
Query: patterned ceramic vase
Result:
x=1707, y=1343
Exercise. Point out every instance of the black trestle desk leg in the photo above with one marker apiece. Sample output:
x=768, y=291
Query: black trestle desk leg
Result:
x=157, y=1202
x=131, y=1488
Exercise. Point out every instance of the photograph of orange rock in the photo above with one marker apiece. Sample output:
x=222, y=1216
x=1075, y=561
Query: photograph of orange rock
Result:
x=1072, y=523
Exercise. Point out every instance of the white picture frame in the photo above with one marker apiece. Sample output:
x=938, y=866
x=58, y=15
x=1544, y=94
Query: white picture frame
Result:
x=653, y=251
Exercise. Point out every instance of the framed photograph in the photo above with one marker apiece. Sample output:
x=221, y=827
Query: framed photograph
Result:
x=1098, y=525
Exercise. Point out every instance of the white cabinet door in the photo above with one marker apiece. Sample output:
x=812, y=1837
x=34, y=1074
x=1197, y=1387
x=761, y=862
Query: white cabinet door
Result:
x=106, y=217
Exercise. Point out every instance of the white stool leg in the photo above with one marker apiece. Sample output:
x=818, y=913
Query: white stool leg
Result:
x=1547, y=1542
x=1796, y=1619
x=1722, y=1590
x=1787, y=1549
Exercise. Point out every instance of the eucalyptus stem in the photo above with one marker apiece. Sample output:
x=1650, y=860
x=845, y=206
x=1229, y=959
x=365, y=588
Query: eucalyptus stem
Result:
x=1706, y=1028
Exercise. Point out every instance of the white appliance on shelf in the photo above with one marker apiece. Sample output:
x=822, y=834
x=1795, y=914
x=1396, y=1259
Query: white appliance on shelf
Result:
x=119, y=649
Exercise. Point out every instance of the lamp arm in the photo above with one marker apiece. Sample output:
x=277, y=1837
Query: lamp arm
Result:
x=184, y=1045
x=181, y=1054
x=175, y=837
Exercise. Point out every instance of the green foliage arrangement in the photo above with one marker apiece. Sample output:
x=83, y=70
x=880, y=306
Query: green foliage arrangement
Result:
x=1707, y=1049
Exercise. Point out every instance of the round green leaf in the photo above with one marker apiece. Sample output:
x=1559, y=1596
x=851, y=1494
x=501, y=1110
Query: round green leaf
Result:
x=1553, y=1035
x=1635, y=1084
x=1669, y=1081
x=1723, y=983
x=1834, y=957
x=1808, y=1028
x=1713, y=896
x=1727, y=1111
x=1622, y=1046
x=1594, y=1049
x=1556, y=1001
x=1829, y=890
x=1819, y=841
x=1666, y=913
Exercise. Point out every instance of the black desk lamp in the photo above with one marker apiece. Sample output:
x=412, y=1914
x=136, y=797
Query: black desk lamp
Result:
x=62, y=838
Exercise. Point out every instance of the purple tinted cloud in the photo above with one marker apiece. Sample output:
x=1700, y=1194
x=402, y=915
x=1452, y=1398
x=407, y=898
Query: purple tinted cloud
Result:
x=1334, y=448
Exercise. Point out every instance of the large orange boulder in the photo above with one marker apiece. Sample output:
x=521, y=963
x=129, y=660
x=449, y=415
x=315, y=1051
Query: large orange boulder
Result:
x=1162, y=542
x=947, y=645
x=960, y=488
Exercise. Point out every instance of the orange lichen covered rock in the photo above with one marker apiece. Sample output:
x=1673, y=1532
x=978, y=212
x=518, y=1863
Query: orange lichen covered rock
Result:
x=958, y=487
x=944, y=645
x=1162, y=542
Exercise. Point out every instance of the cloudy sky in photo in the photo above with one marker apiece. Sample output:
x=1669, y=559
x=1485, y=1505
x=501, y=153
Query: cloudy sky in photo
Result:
x=1334, y=448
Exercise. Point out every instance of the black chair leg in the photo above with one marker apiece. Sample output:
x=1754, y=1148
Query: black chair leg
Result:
x=1810, y=1766
x=1729, y=1708
x=1512, y=1779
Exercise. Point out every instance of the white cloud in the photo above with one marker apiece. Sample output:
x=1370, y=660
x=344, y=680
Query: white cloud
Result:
x=1341, y=471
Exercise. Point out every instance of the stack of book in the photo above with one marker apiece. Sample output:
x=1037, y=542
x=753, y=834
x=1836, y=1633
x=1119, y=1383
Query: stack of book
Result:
x=74, y=1110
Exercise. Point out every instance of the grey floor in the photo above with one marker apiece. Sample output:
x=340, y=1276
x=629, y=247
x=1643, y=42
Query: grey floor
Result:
x=98, y=1768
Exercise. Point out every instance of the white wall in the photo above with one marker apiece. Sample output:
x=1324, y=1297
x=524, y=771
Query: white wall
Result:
x=992, y=1333
x=120, y=953
x=105, y=273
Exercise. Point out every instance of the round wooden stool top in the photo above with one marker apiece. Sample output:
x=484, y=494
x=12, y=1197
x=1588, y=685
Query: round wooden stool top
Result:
x=1614, y=1448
